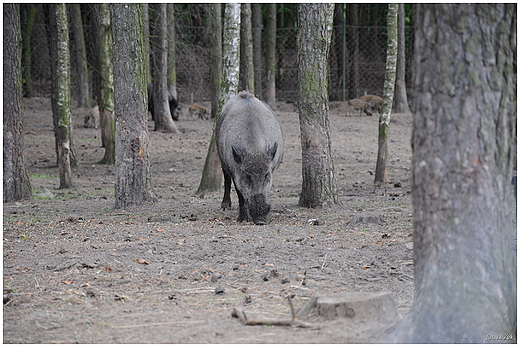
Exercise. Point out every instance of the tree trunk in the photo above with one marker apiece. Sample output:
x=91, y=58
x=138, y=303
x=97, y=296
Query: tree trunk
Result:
x=60, y=65
x=381, y=174
x=270, y=55
x=256, y=19
x=340, y=46
x=215, y=54
x=464, y=127
x=80, y=55
x=400, y=97
x=28, y=12
x=16, y=180
x=212, y=175
x=314, y=34
x=171, y=79
x=162, y=116
x=133, y=178
x=247, y=71
x=146, y=31
x=354, y=90
x=106, y=88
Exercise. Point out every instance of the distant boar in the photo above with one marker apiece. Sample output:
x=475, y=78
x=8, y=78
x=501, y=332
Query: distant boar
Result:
x=174, y=104
x=360, y=105
x=250, y=146
x=374, y=102
x=197, y=111
x=91, y=120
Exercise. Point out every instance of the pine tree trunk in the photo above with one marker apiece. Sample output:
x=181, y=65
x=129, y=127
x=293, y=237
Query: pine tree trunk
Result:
x=247, y=71
x=80, y=55
x=256, y=19
x=133, y=177
x=15, y=177
x=270, y=55
x=400, y=97
x=211, y=179
x=106, y=102
x=171, y=79
x=381, y=174
x=162, y=117
x=314, y=34
x=60, y=65
x=464, y=128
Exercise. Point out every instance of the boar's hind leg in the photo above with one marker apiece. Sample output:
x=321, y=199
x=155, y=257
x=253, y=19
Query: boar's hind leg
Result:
x=226, y=201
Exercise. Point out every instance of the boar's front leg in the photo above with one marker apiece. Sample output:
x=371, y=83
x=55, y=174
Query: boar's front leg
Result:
x=226, y=201
x=242, y=208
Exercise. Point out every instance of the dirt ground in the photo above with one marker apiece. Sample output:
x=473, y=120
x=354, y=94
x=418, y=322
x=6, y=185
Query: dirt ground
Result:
x=75, y=270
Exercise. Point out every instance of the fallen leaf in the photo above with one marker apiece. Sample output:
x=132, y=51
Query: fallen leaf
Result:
x=67, y=282
x=141, y=261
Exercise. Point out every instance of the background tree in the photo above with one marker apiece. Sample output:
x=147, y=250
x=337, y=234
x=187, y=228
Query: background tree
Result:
x=60, y=67
x=463, y=135
x=162, y=116
x=146, y=30
x=171, y=78
x=353, y=18
x=28, y=12
x=315, y=30
x=247, y=71
x=381, y=174
x=79, y=52
x=212, y=174
x=270, y=55
x=400, y=97
x=16, y=179
x=106, y=86
x=133, y=178
x=215, y=54
x=256, y=24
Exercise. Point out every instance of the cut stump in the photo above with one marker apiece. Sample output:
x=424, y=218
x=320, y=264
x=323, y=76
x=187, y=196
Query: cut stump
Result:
x=360, y=308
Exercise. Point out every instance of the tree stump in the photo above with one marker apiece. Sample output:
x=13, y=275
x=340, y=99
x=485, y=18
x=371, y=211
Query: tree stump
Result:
x=360, y=308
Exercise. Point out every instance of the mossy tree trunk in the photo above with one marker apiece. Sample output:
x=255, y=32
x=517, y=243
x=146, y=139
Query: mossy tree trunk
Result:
x=270, y=55
x=464, y=129
x=171, y=79
x=106, y=71
x=400, y=96
x=247, y=71
x=80, y=55
x=212, y=175
x=314, y=34
x=133, y=177
x=60, y=67
x=381, y=175
x=15, y=177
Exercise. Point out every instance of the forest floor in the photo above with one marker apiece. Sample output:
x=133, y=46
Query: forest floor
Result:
x=76, y=270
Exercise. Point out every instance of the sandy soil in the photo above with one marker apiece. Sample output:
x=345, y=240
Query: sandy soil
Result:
x=75, y=270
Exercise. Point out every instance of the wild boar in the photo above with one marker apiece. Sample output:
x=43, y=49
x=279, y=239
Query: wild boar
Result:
x=374, y=102
x=197, y=111
x=360, y=105
x=175, y=108
x=92, y=119
x=250, y=146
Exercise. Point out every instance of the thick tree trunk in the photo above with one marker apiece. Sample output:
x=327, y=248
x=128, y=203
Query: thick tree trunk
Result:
x=314, y=34
x=464, y=130
x=16, y=180
x=146, y=31
x=247, y=71
x=381, y=175
x=211, y=179
x=162, y=116
x=133, y=178
x=171, y=79
x=215, y=54
x=270, y=55
x=256, y=19
x=106, y=88
x=60, y=63
x=400, y=97
x=80, y=55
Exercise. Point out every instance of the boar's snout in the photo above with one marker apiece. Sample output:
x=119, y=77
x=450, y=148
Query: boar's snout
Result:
x=258, y=209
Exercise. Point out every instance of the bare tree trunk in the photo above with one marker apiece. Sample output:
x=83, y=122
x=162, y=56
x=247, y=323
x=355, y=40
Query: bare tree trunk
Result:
x=106, y=88
x=80, y=55
x=162, y=116
x=171, y=79
x=400, y=97
x=133, y=177
x=381, y=174
x=257, y=47
x=247, y=71
x=28, y=12
x=215, y=54
x=15, y=177
x=211, y=179
x=463, y=135
x=270, y=55
x=60, y=63
x=314, y=34
x=146, y=31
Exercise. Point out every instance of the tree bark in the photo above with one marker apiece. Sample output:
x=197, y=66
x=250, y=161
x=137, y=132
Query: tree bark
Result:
x=133, y=178
x=381, y=175
x=106, y=88
x=80, y=55
x=270, y=55
x=171, y=79
x=464, y=127
x=211, y=179
x=162, y=116
x=146, y=31
x=28, y=12
x=314, y=34
x=215, y=54
x=256, y=19
x=247, y=71
x=60, y=65
x=400, y=97
x=15, y=177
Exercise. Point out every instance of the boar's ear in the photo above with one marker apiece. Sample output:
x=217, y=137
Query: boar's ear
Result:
x=238, y=153
x=271, y=152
